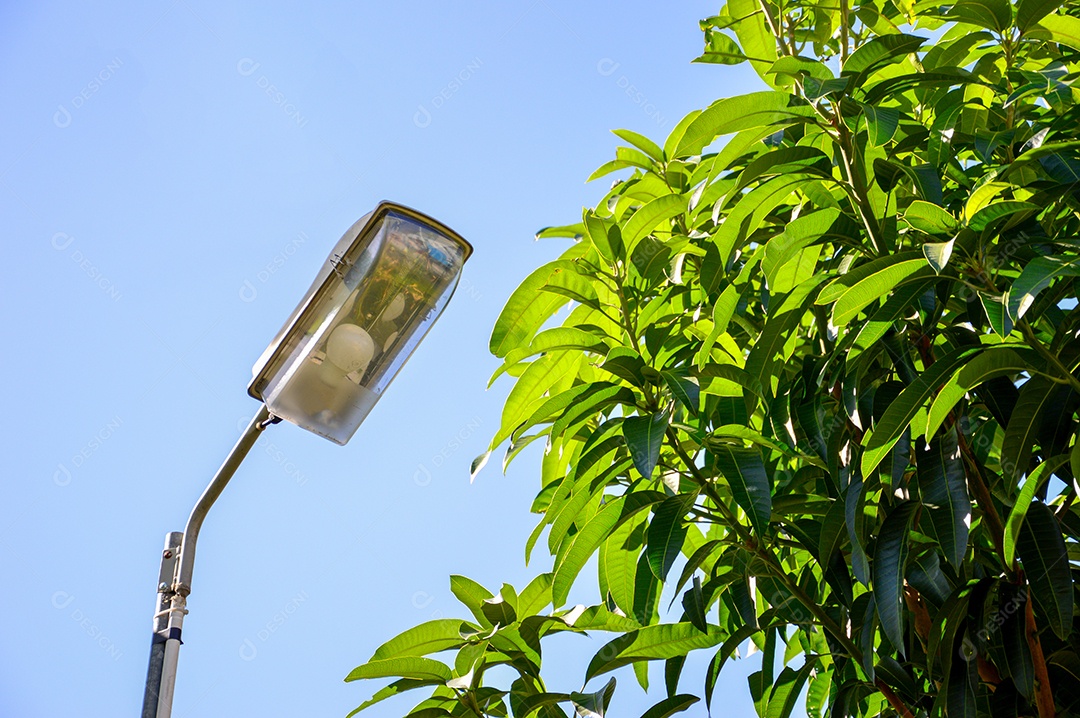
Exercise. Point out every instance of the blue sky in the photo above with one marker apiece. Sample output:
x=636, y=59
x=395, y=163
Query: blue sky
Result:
x=172, y=174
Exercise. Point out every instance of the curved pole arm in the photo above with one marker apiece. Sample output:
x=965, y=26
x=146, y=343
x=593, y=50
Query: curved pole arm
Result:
x=191, y=531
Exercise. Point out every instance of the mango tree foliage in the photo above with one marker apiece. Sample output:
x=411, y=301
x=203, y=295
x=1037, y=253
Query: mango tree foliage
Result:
x=810, y=366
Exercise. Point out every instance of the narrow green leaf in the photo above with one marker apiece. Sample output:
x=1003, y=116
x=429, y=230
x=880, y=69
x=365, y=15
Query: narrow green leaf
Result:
x=406, y=667
x=742, y=112
x=658, y=642
x=429, y=637
x=642, y=143
x=880, y=51
x=670, y=706
x=649, y=216
x=586, y=541
x=1037, y=276
x=745, y=473
x=1032, y=483
x=930, y=218
x=396, y=688
x=472, y=595
x=874, y=287
x=992, y=363
x=1029, y=12
x=693, y=604
x=593, y=705
x=1064, y=29
x=644, y=437
x=1046, y=564
x=528, y=308
x=991, y=213
x=890, y=557
x=903, y=409
x=1027, y=416
x=943, y=490
x=664, y=539
x=787, y=689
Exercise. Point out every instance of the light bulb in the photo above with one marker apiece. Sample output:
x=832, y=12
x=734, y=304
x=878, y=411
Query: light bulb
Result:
x=395, y=308
x=349, y=348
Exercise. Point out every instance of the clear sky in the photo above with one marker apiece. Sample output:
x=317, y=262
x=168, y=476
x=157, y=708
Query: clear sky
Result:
x=172, y=175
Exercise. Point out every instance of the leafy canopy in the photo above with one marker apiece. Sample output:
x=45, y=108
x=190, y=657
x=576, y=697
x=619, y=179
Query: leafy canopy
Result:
x=818, y=375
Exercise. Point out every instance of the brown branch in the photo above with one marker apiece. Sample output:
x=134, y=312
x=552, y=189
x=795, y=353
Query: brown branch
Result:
x=1044, y=698
x=894, y=700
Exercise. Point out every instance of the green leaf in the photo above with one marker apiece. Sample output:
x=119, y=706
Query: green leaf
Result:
x=930, y=218
x=789, y=260
x=1029, y=12
x=644, y=437
x=646, y=218
x=664, y=539
x=938, y=254
x=662, y=641
x=607, y=239
x=1064, y=29
x=745, y=472
x=890, y=557
x=406, y=667
x=943, y=489
x=991, y=213
x=881, y=123
x=429, y=637
x=396, y=688
x=499, y=611
x=1037, y=276
x=880, y=51
x=787, y=689
x=684, y=388
x=874, y=287
x=720, y=49
x=991, y=14
x=997, y=314
x=528, y=308
x=472, y=595
x=1031, y=484
x=593, y=705
x=992, y=363
x=768, y=349
x=1023, y=428
x=670, y=706
x=742, y=112
x=642, y=143
x=754, y=36
x=693, y=603
x=586, y=541
x=903, y=409
x=1046, y=564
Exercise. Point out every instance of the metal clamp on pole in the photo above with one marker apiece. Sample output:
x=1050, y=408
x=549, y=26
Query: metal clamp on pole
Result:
x=174, y=582
x=166, y=577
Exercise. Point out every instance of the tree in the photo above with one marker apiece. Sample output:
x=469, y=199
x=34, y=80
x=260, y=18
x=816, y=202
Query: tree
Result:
x=821, y=359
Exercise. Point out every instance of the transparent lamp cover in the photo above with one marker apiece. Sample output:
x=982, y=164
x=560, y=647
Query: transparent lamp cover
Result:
x=385, y=284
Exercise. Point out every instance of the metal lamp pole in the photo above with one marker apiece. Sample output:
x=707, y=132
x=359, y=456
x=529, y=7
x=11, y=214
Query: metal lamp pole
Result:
x=174, y=580
x=384, y=284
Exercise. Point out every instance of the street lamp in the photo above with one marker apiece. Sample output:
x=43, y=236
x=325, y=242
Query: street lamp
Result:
x=382, y=287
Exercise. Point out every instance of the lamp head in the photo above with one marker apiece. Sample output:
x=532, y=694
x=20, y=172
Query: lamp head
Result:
x=384, y=284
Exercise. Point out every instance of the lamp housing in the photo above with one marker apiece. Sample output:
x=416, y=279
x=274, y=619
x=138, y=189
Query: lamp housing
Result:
x=383, y=286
